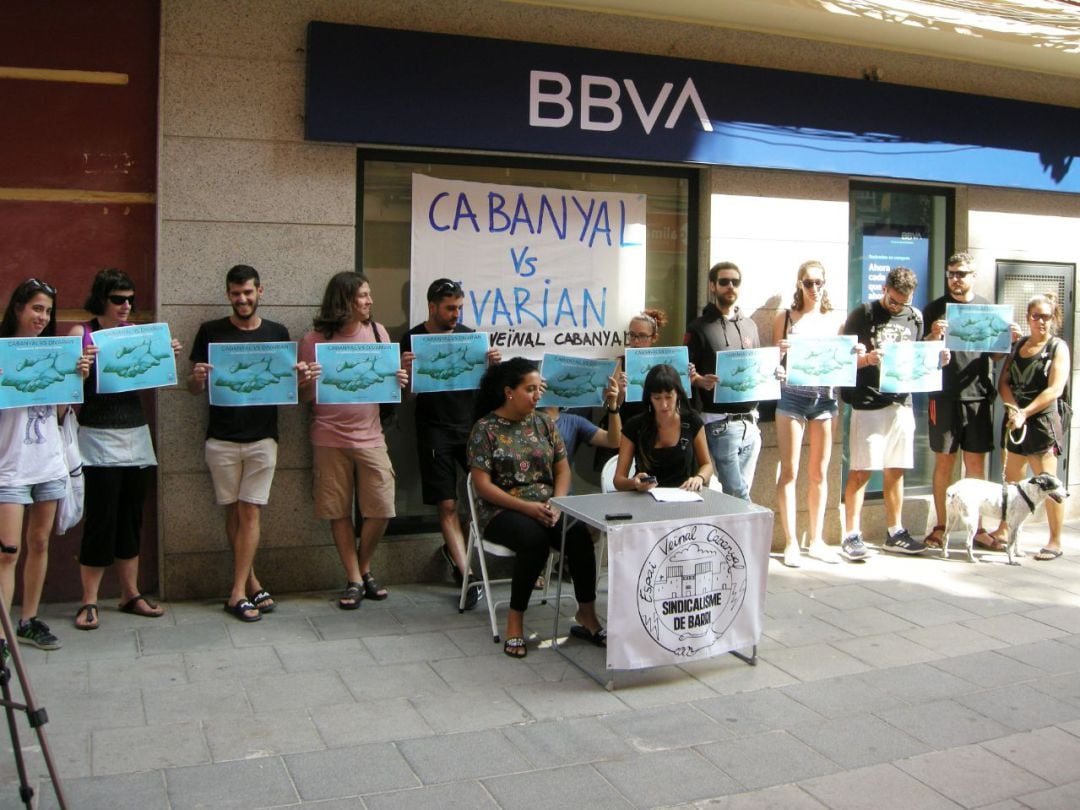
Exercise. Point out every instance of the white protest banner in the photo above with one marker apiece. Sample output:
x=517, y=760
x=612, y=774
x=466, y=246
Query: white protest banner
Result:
x=542, y=268
x=686, y=590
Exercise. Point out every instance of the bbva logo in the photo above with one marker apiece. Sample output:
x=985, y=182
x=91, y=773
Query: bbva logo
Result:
x=550, y=104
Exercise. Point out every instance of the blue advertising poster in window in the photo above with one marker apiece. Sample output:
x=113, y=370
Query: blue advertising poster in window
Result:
x=886, y=247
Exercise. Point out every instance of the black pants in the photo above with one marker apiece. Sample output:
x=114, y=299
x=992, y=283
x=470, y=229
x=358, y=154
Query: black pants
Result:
x=114, y=508
x=531, y=542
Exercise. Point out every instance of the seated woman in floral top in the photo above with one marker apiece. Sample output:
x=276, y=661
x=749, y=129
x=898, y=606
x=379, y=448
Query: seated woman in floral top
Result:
x=518, y=463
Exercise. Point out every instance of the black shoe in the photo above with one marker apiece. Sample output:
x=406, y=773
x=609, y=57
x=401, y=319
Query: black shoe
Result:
x=473, y=592
x=904, y=543
x=453, y=566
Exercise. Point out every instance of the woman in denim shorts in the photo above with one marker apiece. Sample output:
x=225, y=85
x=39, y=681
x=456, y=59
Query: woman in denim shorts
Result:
x=33, y=468
x=805, y=409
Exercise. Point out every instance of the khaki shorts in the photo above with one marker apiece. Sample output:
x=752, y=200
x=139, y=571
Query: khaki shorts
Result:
x=882, y=439
x=338, y=471
x=241, y=471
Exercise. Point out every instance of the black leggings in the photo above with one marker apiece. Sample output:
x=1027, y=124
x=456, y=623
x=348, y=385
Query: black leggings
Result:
x=531, y=543
x=114, y=507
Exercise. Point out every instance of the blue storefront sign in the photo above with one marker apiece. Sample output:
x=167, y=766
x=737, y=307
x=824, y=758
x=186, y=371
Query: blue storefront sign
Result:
x=404, y=88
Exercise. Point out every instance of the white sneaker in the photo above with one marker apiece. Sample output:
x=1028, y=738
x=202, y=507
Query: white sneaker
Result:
x=792, y=556
x=820, y=550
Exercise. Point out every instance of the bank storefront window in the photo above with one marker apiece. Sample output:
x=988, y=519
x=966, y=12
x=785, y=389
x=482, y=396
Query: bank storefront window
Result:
x=900, y=225
x=384, y=228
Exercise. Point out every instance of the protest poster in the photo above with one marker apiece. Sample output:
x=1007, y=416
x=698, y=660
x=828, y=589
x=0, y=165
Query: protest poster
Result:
x=131, y=358
x=978, y=327
x=910, y=366
x=257, y=373
x=40, y=371
x=357, y=373
x=639, y=361
x=575, y=382
x=822, y=361
x=448, y=362
x=747, y=375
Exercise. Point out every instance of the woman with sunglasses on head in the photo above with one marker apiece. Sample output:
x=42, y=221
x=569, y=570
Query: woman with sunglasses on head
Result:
x=1032, y=380
x=33, y=468
x=518, y=464
x=804, y=409
x=117, y=451
x=666, y=444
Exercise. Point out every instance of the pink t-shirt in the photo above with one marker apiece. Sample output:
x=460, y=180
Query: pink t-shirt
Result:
x=345, y=425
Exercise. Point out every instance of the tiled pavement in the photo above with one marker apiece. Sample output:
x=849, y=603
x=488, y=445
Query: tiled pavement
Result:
x=901, y=682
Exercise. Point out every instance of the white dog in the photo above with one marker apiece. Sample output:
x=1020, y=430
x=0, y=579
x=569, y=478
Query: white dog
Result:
x=971, y=498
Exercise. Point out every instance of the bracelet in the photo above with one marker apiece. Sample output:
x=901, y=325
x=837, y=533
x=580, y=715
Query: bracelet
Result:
x=700, y=477
x=612, y=410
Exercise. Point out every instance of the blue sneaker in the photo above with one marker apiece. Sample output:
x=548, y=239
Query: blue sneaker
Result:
x=853, y=547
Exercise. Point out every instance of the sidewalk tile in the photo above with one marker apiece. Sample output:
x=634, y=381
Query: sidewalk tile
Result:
x=868, y=621
x=1014, y=628
x=229, y=663
x=487, y=670
x=232, y=737
x=369, y=722
x=341, y=654
x=349, y=771
x=272, y=629
x=297, y=690
x=471, y=755
x=105, y=642
x=666, y=727
x=850, y=597
x=90, y=711
x=1063, y=687
x=667, y=777
x=567, y=742
x=1063, y=617
x=393, y=680
x=194, y=701
x=889, y=787
x=793, y=604
x=847, y=694
x=145, y=791
x=659, y=686
x=451, y=796
x=918, y=683
x=971, y=776
x=988, y=669
x=1065, y=797
x=889, y=650
x=768, y=759
x=253, y=783
x=412, y=648
x=207, y=635
x=800, y=630
x=944, y=723
x=362, y=623
x=854, y=742
x=754, y=712
x=1049, y=753
x=470, y=710
x=146, y=670
x=1050, y=655
x=727, y=675
x=815, y=662
x=782, y=797
x=952, y=639
x=577, y=698
x=573, y=786
x=148, y=748
x=930, y=611
x=1021, y=708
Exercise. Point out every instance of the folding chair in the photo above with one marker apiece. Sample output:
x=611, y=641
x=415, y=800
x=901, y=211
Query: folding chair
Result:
x=484, y=547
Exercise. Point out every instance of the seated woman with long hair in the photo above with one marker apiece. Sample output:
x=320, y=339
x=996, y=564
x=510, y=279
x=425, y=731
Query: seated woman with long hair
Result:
x=667, y=443
x=518, y=464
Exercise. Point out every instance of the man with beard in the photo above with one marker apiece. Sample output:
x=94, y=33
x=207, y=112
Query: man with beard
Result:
x=961, y=414
x=730, y=428
x=241, y=443
x=443, y=422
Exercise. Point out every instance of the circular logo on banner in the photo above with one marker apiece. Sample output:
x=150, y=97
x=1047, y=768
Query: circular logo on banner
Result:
x=691, y=587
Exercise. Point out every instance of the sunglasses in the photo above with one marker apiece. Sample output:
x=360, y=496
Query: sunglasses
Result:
x=1045, y=317
x=959, y=273
x=448, y=288
x=728, y=282
x=810, y=283
x=639, y=335
x=120, y=300
x=890, y=301
x=37, y=284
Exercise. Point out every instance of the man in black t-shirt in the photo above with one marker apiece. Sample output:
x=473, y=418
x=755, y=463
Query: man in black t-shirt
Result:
x=443, y=422
x=241, y=442
x=961, y=414
x=882, y=431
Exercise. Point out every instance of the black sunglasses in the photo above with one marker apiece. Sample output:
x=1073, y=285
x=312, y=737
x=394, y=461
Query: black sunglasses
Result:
x=810, y=283
x=724, y=282
x=448, y=288
x=959, y=273
x=37, y=284
x=120, y=300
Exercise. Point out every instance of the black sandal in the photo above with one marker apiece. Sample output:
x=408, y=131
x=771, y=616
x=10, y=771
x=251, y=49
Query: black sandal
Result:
x=351, y=596
x=515, y=647
x=260, y=600
x=372, y=589
x=241, y=610
x=599, y=638
x=92, y=621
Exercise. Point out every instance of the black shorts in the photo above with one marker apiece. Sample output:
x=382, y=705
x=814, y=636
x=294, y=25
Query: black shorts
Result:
x=956, y=425
x=439, y=464
x=1040, y=438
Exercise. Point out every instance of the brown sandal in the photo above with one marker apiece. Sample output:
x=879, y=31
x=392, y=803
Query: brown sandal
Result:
x=936, y=538
x=983, y=539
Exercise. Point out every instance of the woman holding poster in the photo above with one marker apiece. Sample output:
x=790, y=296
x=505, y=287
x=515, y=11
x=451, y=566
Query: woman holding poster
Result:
x=1032, y=381
x=666, y=444
x=805, y=409
x=518, y=464
x=33, y=469
x=117, y=451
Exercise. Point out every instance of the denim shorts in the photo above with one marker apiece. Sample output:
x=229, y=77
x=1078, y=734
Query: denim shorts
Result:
x=805, y=403
x=34, y=493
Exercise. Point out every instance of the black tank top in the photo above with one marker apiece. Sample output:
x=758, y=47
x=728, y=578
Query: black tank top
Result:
x=108, y=411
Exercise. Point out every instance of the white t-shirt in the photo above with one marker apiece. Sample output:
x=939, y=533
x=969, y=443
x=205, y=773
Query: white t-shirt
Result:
x=31, y=451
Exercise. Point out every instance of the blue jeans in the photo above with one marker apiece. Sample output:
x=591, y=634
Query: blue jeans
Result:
x=734, y=447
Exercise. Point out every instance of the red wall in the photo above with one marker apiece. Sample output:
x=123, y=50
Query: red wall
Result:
x=71, y=138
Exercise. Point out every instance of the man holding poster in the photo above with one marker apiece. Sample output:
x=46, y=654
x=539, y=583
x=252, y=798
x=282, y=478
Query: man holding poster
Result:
x=443, y=422
x=241, y=442
x=882, y=434
x=730, y=428
x=961, y=414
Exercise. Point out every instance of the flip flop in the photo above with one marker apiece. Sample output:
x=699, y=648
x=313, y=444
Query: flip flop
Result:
x=1047, y=554
x=242, y=609
x=599, y=638
x=132, y=606
x=92, y=621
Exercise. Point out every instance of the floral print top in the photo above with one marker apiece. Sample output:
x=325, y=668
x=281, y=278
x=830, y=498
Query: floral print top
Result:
x=520, y=457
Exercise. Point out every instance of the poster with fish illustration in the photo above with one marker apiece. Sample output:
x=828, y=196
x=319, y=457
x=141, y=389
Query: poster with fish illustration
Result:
x=356, y=373
x=978, y=327
x=822, y=360
x=450, y=362
x=40, y=371
x=639, y=361
x=910, y=367
x=747, y=375
x=575, y=382
x=252, y=374
x=131, y=358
